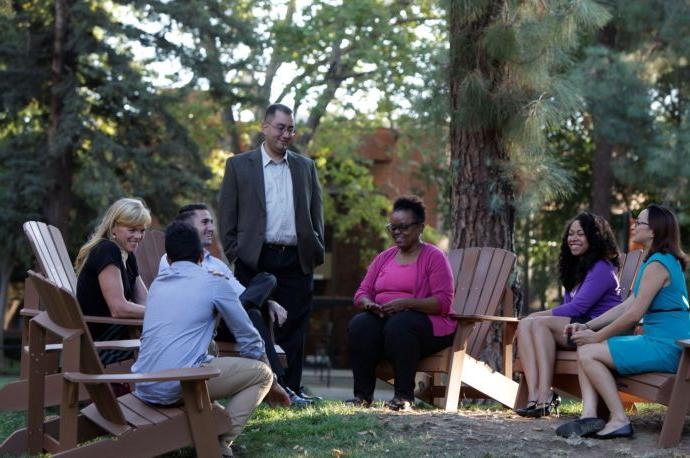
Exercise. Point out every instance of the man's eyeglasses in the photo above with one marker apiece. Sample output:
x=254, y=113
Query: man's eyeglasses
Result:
x=282, y=129
x=399, y=227
x=637, y=222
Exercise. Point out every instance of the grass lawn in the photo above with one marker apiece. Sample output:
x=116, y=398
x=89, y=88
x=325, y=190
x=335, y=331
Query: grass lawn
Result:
x=329, y=429
x=333, y=429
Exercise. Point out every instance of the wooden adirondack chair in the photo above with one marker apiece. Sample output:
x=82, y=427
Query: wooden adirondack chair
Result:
x=565, y=367
x=135, y=428
x=671, y=390
x=149, y=254
x=482, y=297
x=53, y=260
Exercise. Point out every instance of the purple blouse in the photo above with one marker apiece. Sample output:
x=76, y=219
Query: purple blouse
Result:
x=598, y=292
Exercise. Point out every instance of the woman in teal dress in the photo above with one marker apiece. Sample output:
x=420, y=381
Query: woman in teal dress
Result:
x=660, y=299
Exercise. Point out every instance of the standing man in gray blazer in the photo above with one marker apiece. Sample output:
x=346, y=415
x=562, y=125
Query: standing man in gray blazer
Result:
x=271, y=220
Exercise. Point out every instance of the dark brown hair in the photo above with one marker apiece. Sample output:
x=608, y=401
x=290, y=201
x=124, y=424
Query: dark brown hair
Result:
x=664, y=224
x=602, y=245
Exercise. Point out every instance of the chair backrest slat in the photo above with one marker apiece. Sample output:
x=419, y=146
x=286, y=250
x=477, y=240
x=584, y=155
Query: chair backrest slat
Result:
x=454, y=259
x=481, y=275
x=630, y=263
x=50, y=251
x=464, y=282
x=149, y=254
x=63, y=256
x=502, y=263
x=63, y=309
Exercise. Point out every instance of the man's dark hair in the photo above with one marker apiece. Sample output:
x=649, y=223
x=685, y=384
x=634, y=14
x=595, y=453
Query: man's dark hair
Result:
x=271, y=111
x=186, y=213
x=182, y=242
x=413, y=204
x=602, y=246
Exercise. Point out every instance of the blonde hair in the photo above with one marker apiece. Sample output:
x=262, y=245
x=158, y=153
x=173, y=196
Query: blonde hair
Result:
x=125, y=212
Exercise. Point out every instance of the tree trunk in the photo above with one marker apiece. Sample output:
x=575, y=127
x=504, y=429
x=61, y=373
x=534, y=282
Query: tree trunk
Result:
x=482, y=195
x=483, y=212
x=334, y=77
x=59, y=202
x=277, y=59
x=602, y=178
x=602, y=171
x=235, y=142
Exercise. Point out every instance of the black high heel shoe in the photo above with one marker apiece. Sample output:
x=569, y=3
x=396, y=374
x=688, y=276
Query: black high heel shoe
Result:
x=522, y=411
x=544, y=409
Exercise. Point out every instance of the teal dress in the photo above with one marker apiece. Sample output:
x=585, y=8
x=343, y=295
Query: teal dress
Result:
x=667, y=320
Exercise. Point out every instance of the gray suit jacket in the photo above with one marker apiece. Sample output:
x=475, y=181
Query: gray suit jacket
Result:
x=242, y=209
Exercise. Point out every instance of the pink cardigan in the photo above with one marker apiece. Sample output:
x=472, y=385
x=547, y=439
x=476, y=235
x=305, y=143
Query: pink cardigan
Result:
x=434, y=278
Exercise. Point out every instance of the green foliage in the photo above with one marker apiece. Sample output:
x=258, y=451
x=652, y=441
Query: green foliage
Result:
x=353, y=206
x=113, y=127
x=513, y=85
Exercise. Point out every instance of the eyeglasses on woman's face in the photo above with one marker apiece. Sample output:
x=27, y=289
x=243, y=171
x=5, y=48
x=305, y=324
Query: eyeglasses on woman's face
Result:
x=637, y=222
x=392, y=228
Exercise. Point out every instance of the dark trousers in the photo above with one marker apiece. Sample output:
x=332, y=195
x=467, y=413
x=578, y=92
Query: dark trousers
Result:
x=294, y=292
x=254, y=300
x=402, y=339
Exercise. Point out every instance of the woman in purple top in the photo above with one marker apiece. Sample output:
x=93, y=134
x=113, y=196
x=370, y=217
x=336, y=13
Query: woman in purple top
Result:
x=405, y=296
x=587, y=267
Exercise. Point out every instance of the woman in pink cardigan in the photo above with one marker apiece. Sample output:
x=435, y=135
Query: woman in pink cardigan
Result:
x=405, y=297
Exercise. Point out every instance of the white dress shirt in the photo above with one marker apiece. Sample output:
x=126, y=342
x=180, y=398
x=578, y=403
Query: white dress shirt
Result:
x=280, y=205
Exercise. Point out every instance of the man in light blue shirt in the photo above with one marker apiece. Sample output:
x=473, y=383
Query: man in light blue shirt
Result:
x=254, y=298
x=178, y=327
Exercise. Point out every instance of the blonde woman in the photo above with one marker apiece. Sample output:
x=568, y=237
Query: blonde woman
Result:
x=108, y=281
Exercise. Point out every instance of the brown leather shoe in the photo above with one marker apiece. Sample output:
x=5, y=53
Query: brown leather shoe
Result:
x=358, y=402
x=399, y=405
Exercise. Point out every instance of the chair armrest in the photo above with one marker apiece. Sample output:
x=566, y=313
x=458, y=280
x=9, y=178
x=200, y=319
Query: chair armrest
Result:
x=130, y=344
x=111, y=320
x=171, y=375
x=472, y=318
x=92, y=318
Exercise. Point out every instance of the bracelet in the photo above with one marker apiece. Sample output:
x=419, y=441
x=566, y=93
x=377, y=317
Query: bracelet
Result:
x=587, y=326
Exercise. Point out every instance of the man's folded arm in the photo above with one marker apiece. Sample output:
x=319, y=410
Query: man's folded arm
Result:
x=248, y=339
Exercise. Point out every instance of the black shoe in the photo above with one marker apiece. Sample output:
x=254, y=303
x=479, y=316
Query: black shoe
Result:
x=296, y=400
x=582, y=427
x=358, y=402
x=398, y=405
x=623, y=431
x=544, y=409
x=522, y=411
x=308, y=397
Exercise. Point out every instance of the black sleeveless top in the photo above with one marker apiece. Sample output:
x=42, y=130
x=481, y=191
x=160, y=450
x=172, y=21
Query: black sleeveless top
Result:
x=89, y=291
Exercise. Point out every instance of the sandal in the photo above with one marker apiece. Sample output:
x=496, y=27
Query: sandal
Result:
x=544, y=409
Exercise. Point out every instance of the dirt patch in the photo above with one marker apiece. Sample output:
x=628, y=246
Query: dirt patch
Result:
x=502, y=433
